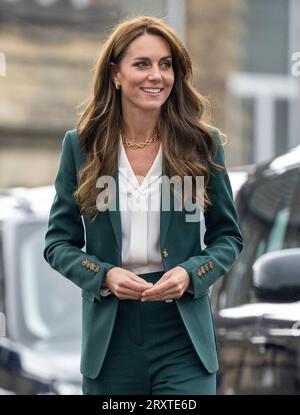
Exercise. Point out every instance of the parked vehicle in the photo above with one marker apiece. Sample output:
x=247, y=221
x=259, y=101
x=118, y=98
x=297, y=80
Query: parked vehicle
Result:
x=238, y=176
x=256, y=305
x=41, y=349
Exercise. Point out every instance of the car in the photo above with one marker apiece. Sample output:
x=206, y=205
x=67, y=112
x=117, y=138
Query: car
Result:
x=256, y=306
x=238, y=176
x=40, y=349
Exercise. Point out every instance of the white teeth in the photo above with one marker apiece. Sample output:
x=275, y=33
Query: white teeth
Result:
x=152, y=90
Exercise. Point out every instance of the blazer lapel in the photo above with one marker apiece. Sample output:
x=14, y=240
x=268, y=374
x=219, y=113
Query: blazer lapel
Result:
x=115, y=216
x=165, y=215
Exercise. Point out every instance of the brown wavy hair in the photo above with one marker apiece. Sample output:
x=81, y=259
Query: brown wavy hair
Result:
x=187, y=141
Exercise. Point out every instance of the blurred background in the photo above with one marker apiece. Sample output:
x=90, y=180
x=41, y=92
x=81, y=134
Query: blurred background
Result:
x=245, y=57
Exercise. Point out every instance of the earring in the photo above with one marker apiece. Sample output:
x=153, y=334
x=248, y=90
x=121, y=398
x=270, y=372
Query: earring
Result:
x=117, y=85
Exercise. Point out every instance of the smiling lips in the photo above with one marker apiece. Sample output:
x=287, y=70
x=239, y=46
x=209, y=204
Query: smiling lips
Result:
x=152, y=91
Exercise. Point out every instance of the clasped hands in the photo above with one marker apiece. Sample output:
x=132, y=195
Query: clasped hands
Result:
x=127, y=285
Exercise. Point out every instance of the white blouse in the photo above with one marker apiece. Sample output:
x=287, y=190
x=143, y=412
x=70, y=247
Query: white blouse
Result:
x=139, y=205
x=140, y=219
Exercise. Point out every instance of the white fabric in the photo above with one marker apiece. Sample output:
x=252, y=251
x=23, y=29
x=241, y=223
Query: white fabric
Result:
x=140, y=217
x=140, y=221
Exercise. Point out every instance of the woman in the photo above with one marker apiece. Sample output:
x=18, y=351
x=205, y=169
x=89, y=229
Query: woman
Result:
x=145, y=279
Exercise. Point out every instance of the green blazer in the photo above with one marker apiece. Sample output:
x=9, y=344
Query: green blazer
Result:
x=68, y=232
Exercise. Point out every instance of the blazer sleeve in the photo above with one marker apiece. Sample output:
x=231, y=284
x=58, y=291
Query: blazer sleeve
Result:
x=223, y=238
x=65, y=234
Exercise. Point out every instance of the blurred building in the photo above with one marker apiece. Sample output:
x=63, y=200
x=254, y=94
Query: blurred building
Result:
x=263, y=96
x=50, y=47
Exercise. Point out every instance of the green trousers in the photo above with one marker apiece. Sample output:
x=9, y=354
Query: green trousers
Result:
x=150, y=353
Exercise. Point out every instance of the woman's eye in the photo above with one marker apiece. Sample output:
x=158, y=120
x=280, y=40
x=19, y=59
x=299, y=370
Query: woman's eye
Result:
x=168, y=64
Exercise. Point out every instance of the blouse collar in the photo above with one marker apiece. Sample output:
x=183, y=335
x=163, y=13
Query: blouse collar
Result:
x=126, y=170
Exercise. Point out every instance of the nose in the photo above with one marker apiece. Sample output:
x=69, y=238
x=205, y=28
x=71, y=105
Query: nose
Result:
x=155, y=74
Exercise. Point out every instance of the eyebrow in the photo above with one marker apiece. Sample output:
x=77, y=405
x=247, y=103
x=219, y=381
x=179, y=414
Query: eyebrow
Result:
x=146, y=58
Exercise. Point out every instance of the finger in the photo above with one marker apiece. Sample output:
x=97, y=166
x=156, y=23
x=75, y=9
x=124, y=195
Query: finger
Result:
x=136, y=277
x=164, y=296
x=129, y=295
x=137, y=286
x=157, y=289
x=129, y=291
x=139, y=279
x=163, y=278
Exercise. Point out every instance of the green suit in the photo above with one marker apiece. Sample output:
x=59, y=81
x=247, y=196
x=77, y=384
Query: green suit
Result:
x=179, y=245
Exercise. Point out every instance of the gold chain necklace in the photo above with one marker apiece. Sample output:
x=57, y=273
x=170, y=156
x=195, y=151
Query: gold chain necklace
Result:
x=135, y=146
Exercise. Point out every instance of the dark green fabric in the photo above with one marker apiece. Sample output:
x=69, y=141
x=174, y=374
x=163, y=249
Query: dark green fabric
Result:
x=223, y=237
x=150, y=353
x=68, y=231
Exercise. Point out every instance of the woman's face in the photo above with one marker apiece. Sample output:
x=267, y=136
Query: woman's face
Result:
x=147, y=63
